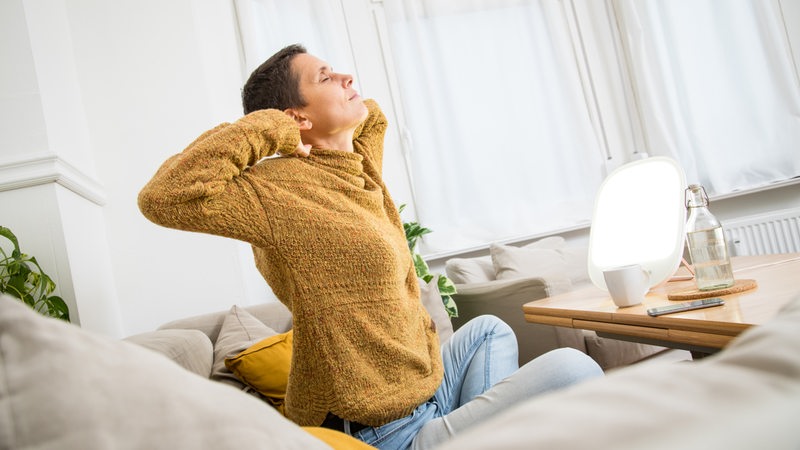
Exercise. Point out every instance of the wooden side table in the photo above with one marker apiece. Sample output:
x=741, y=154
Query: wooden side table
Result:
x=700, y=331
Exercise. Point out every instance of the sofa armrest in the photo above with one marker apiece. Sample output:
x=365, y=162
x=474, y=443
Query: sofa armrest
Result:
x=504, y=299
x=532, y=287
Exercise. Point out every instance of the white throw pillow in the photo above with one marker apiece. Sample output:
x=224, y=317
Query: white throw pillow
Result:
x=519, y=262
x=537, y=261
x=469, y=270
x=64, y=388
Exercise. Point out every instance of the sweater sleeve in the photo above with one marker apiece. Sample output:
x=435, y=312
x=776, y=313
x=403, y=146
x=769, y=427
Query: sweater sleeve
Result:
x=204, y=188
x=368, y=137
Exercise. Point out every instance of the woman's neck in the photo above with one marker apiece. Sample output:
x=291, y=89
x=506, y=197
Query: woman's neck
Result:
x=341, y=141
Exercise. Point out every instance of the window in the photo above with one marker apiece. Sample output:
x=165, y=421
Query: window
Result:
x=717, y=88
x=502, y=145
x=510, y=111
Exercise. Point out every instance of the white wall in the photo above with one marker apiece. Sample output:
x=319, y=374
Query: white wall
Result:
x=155, y=75
x=143, y=79
x=49, y=195
x=112, y=89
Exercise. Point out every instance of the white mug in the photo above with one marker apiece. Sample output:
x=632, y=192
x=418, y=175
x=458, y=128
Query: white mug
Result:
x=627, y=284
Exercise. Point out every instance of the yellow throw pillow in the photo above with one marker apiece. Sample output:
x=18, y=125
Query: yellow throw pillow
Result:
x=264, y=366
x=337, y=439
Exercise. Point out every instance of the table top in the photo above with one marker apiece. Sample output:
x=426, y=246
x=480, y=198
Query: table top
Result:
x=592, y=308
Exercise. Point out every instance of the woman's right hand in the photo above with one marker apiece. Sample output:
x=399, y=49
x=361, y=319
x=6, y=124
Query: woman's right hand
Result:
x=302, y=150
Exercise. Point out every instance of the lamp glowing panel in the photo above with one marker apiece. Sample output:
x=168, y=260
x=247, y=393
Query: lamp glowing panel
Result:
x=639, y=218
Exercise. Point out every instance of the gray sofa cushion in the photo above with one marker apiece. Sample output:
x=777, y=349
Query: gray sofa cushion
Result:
x=611, y=353
x=191, y=349
x=64, y=388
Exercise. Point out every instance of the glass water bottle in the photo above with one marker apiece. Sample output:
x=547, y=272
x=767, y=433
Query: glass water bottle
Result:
x=706, y=241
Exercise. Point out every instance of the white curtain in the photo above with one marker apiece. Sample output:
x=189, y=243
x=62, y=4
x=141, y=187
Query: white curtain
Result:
x=501, y=141
x=717, y=88
x=266, y=26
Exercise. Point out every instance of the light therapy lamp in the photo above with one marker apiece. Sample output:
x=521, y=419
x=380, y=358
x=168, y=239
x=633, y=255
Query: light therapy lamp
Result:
x=639, y=218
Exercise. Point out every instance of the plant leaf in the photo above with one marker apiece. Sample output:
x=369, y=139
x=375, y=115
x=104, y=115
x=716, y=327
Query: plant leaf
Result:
x=6, y=233
x=413, y=232
x=22, y=277
x=58, y=306
x=420, y=266
x=445, y=285
x=450, y=306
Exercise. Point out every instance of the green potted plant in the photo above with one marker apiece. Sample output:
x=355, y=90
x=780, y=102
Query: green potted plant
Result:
x=414, y=231
x=23, y=278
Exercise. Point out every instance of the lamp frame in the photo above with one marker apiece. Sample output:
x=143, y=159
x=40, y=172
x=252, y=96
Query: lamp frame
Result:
x=639, y=217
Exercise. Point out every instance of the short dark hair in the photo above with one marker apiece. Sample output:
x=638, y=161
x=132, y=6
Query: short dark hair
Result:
x=274, y=84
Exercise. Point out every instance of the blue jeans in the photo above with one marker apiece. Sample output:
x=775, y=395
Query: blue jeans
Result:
x=481, y=379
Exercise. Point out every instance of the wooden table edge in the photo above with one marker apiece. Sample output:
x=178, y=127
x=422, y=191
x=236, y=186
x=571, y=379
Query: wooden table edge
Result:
x=553, y=316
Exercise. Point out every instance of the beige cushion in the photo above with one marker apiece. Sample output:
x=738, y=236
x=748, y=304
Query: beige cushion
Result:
x=745, y=397
x=481, y=269
x=515, y=262
x=191, y=349
x=432, y=301
x=521, y=262
x=64, y=388
x=239, y=331
x=610, y=353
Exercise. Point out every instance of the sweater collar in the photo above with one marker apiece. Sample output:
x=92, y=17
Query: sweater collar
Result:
x=346, y=165
x=349, y=162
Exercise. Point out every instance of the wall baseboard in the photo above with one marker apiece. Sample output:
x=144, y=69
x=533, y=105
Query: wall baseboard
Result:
x=49, y=168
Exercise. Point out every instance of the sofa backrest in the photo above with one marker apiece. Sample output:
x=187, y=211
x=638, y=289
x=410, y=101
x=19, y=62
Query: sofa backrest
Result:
x=274, y=314
x=548, y=258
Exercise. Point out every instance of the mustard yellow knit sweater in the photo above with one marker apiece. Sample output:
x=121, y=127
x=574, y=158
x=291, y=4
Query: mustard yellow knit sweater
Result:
x=327, y=238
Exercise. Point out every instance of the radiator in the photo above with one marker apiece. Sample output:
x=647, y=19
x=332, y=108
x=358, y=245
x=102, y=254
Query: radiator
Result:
x=763, y=234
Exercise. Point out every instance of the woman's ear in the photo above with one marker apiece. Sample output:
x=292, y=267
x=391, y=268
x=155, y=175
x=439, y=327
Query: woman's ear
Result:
x=303, y=122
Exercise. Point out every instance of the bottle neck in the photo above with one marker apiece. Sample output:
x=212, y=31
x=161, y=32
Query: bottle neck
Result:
x=699, y=217
x=696, y=197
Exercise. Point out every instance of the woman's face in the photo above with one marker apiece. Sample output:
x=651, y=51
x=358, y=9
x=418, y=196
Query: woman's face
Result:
x=332, y=105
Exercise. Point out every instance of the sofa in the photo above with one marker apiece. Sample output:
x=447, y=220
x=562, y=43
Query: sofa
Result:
x=167, y=388
x=510, y=276
x=65, y=388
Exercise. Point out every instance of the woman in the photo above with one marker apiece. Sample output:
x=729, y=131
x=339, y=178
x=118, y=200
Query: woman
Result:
x=328, y=239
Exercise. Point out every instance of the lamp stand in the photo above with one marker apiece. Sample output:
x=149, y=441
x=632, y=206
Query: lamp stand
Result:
x=688, y=267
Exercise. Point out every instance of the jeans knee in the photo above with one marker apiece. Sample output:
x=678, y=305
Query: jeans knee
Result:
x=493, y=325
x=574, y=362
